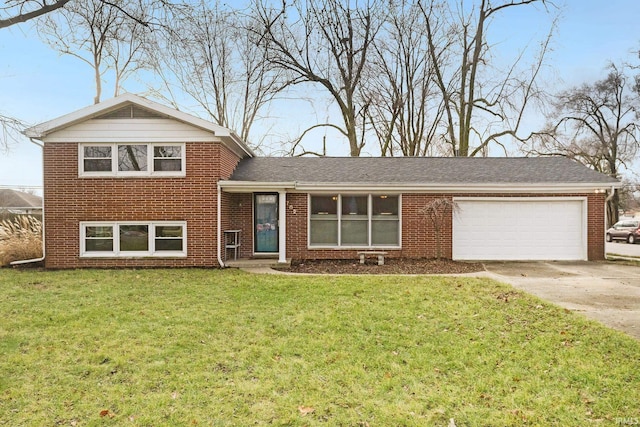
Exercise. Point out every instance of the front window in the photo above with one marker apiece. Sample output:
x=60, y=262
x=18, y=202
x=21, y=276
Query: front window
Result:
x=97, y=159
x=99, y=238
x=169, y=238
x=354, y=220
x=324, y=220
x=131, y=160
x=167, y=158
x=156, y=239
x=134, y=238
x=384, y=221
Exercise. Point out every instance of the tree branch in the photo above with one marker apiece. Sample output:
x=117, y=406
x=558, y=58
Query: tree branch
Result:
x=44, y=9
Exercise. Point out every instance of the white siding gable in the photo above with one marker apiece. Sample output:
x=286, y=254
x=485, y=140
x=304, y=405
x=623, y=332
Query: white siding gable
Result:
x=131, y=130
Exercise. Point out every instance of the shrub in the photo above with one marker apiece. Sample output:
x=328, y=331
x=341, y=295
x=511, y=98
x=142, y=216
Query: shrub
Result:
x=20, y=239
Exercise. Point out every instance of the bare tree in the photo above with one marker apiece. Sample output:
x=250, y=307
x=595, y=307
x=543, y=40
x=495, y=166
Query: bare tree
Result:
x=16, y=12
x=405, y=105
x=595, y=124
x=100, y=35
x=325, y=43
x=629, y=195
x=482, y=104
x=10, y=129
x=20, y=11
x=208, y=55
x=12, y=13
x=437, y=212
x=120, y=50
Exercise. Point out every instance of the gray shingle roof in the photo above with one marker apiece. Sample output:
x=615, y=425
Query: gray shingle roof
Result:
x=418, y=170
x=18, y=199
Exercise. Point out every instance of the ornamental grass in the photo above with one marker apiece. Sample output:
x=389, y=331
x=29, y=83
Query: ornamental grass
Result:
x=20, y=239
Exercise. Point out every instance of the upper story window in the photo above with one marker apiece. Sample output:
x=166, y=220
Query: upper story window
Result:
x=96, y=159
x=158, y=159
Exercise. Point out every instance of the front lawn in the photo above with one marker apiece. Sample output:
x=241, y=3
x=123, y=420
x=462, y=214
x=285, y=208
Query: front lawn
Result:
x=226, y=348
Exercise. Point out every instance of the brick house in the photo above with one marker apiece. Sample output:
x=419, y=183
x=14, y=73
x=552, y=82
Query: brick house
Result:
x=132, y=183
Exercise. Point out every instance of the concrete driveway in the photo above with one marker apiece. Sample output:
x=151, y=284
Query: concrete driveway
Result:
x=603, y=291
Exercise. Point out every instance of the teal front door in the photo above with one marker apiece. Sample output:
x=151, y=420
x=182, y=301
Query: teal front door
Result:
x=265, y=223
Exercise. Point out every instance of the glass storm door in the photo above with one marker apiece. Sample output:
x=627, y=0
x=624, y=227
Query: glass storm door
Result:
x=266, y=223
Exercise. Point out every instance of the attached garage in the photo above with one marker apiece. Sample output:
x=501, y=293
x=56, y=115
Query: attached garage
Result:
x=532, y=228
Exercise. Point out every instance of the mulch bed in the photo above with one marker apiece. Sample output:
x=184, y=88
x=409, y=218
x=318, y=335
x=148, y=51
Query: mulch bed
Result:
x=391, y=266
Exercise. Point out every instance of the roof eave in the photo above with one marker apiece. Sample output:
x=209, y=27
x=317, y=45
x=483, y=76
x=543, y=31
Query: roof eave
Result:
x=248, y=186
x=244, y=148
x=41, y=130
x=251, y=186
x=462, y=187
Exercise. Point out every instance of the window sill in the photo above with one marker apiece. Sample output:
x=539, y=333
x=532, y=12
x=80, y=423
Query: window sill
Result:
x=120, y=176
x=113, y=256
x=353, y=248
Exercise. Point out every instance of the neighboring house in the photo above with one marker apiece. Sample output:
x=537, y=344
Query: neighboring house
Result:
x=132, y=183
x=19, y=202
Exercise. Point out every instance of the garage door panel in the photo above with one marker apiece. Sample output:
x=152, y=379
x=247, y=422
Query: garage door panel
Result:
x=522, y=229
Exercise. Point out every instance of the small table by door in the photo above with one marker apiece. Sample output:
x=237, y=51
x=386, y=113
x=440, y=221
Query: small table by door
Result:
x=231, y=242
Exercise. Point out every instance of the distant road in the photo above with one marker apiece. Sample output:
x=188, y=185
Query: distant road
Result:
x=623, y=249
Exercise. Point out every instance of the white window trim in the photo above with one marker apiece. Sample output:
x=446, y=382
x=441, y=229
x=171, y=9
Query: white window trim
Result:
x=116, y=253
x=368, y=246
x=149, y=173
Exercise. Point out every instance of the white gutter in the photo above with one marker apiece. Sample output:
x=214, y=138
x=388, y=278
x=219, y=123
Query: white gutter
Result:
x=606, y=201
x=249, y=186
x=240, y=143
x=29, y=261
x=218, y=226
x=451, y=188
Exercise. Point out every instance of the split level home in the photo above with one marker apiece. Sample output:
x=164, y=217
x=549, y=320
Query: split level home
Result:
x=132, y=183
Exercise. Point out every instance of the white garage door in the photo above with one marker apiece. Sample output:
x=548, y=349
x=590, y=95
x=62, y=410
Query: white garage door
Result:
x=520, y=229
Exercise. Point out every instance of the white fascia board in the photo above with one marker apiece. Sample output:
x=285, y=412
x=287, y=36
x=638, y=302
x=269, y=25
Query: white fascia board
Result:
x=138, y=140
x=237, y=145
x=458, y=188
x=252, y=186
x=103, y=107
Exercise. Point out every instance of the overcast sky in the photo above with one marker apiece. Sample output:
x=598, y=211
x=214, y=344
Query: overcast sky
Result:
x=36, y=84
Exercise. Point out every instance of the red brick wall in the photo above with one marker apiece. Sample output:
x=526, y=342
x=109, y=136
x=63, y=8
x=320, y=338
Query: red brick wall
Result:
x=69, y=200
x=418, y=235
x=595, y=227
x=241, y=205
x=297, y=228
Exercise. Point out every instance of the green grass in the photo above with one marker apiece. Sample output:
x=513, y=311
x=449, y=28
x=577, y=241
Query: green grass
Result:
x=226, y=348
x=624, y=260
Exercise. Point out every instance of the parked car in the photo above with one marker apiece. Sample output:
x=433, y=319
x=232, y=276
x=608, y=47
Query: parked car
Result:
x=627, y=230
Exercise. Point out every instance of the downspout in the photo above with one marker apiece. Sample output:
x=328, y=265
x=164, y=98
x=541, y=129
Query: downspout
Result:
x=218, y=227
x=609, y=197
x=606, y=201
x=30, y=261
